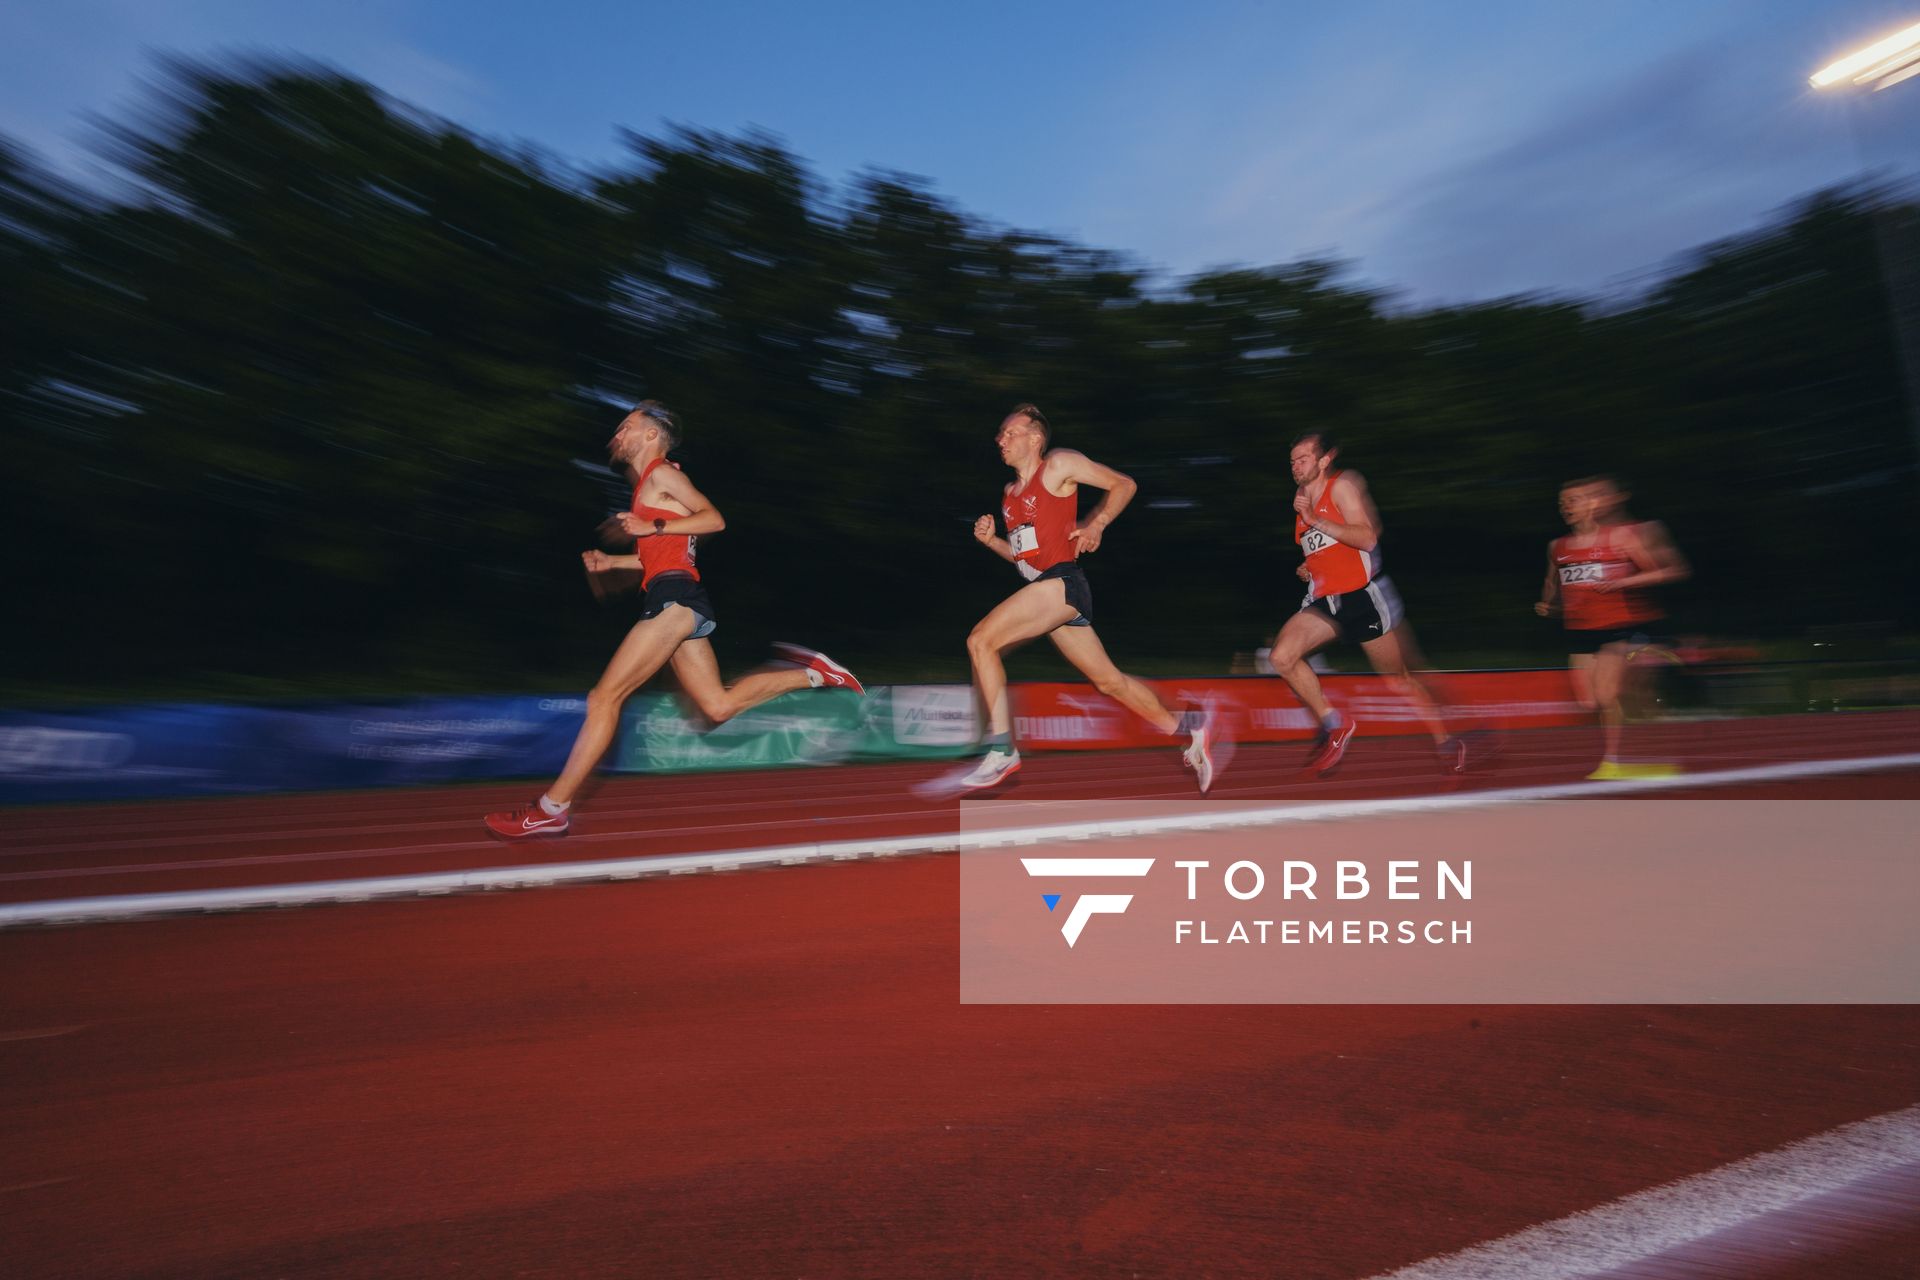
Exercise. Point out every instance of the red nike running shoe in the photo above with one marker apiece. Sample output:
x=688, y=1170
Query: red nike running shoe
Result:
x=1328, y=757
x=832, y=674
x=521, y=824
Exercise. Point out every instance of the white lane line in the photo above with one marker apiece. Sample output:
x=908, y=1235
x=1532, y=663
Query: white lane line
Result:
x=1660, y=1219
x=45, y=1033
x=44, y=1182
x=1029, y=791
x=128, y=906
x=78, y=834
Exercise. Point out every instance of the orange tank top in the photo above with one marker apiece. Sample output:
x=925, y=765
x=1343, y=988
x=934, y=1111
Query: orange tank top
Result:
x=1335, y=567
x=1581, y=569
x=1037, y=524
x=661, y=552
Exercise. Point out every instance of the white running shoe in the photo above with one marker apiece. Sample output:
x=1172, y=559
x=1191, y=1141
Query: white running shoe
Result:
x=1212, y=746
x=994, y=768
x=1197, y=758
x=990, y=770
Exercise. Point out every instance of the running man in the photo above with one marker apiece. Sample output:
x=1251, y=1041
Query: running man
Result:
x=1598, y=580
x=1044, y=538
x=667, y=518
x=1338, y=532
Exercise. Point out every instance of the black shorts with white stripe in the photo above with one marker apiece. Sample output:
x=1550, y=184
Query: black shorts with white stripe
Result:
x=1363, y=615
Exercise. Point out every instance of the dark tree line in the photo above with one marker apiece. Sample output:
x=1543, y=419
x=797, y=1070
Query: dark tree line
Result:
x=304, y=392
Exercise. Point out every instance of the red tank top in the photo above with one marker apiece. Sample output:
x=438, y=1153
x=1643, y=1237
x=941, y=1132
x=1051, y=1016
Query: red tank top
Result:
x=1604, y=558
x=1335, y=567
x=1037, y=524
x=660, y=552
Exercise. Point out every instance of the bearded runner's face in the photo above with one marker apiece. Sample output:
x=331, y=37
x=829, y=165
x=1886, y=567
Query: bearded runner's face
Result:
x=629, y=439
x=1307, y=463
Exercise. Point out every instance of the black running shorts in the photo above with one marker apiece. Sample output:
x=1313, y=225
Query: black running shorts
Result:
x=1079, y=594
x=685, y=590
x=1363, y=615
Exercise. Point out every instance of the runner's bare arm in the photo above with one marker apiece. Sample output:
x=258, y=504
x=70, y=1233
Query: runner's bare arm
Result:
x=1549, y=601
x=1655, y=559
x=601, y=562
x=984, y=535
x=1350, y=495
x=673, y=486
x=1072, y=466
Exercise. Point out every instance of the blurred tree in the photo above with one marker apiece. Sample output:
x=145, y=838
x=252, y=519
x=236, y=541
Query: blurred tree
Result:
x=303, y=392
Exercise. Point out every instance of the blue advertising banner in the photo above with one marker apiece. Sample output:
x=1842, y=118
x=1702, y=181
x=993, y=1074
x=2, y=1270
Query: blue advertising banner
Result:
x=420, y=740
x=112, y=753
x=134, y=752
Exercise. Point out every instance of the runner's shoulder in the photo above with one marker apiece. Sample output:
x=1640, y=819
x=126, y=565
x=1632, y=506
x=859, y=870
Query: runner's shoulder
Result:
x=1648, y=530
x=1058, y=465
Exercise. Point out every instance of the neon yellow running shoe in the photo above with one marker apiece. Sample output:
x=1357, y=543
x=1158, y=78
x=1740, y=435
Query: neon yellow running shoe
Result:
x=1614, y=771
x=1649, y=770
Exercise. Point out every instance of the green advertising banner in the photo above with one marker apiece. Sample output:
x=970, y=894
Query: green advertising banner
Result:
x=900, y=722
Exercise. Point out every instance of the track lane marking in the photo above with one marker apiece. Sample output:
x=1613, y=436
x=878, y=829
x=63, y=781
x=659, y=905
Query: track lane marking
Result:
x=1661, y=1219
x=130, y=906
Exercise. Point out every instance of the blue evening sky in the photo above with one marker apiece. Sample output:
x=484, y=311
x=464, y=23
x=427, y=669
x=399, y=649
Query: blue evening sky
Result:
x=1455, y=150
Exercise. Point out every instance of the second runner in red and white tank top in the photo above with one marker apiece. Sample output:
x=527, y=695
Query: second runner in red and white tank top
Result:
x=1604, y=558
x=661, y=552
x=1334, y=567
x=1037, y=524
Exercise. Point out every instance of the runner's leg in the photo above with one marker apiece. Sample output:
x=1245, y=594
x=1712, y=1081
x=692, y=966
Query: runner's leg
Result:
x=1031, y=612
x=644, y=651
x=1609, y=674
x=1304, y=633
x=1081, y=647
x=1394, y=655
x=699, y=674
x=1580, y=672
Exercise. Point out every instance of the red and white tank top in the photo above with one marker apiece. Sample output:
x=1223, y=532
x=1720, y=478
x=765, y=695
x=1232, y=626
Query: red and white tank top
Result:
x=1602, y=556
x=660, y=552
x=1335, y=567
x=1037, y=524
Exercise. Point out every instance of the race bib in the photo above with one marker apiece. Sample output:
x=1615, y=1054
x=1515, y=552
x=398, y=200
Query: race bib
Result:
x=1023, y=540
x=1313, y=541
x=1582, y=574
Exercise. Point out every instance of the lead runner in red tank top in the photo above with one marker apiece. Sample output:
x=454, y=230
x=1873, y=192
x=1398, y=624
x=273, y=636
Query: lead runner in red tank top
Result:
x=1338, y=531
x=1599, y=580
x=667, y=518
x=1044, y=539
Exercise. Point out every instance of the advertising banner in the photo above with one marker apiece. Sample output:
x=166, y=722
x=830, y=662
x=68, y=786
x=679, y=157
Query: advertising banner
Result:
x=1074, y=717
x=111, y=753
x=177, y=749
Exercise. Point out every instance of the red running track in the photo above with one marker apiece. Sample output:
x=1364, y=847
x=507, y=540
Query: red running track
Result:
x=768, y=1074
x=82, y=851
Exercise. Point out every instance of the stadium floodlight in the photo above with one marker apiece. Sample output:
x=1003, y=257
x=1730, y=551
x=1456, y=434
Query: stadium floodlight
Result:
x=1879, y=59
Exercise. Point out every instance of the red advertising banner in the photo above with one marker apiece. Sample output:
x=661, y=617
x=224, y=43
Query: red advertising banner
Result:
x=1074, y=717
